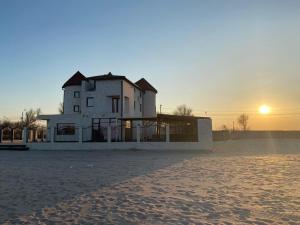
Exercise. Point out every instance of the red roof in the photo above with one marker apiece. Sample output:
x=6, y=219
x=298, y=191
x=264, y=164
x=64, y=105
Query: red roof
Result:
x=75, y=80
x=145, y=85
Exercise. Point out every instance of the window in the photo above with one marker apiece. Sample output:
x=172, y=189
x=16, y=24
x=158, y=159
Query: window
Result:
x=76, y=108
x=65, y=129
x=90, y=85
x=140, y=107
x=76, y=94
x=126, y=108
x=90, y=102
x=115, y=105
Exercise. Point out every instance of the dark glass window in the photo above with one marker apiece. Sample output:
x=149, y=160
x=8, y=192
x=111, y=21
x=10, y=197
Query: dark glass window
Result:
x=90, y=102
x=76, y=108
x=76, y=94
x=65, y=129
x=115, y=105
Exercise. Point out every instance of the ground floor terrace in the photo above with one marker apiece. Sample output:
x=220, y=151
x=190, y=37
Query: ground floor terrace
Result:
x=117, y=133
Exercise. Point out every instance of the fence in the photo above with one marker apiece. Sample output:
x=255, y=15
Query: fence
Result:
x=134, y=131
x=38, y=135
x=224, y=135
x=95, y=134
x=183, y=132
x=155, y=132
x=9, y=134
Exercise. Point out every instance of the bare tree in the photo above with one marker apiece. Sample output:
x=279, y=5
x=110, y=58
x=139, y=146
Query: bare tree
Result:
x=183, y=110
x=224, y=128
x=6, y=123
x=61, y=108
x=243, y=120
x=31, y=118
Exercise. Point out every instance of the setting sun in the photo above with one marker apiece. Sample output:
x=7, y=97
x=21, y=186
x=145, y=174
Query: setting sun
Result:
x=264, y=109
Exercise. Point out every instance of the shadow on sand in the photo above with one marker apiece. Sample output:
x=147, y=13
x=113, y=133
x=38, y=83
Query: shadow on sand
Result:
x=33, y=180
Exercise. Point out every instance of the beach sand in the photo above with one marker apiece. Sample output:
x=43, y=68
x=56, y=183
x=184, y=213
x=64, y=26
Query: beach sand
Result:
x=159, y=187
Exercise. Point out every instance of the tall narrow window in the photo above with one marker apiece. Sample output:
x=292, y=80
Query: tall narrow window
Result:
x=140, y=107
x=115, y=105
x=90, y=102
x=76, y=108
x=126, y=103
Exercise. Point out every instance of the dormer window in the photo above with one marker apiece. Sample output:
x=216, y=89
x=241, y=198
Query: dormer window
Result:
x=90, y=85
x=76, y=94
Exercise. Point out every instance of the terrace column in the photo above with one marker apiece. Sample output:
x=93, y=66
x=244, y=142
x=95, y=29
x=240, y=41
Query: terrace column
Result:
x=109, y=134
x=24, y=135
x=52, y=131
x=12, y=134
x=138, y=133
x=80, y=134
x=36, y=135
x=2, y=131
x=167, y=133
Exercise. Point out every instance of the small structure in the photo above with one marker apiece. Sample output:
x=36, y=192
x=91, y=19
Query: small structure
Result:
x=112, y=109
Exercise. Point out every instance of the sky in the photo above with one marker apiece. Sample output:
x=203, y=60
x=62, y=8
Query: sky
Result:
x=221, y=58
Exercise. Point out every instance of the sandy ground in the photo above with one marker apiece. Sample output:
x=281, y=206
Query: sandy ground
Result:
x=229, y=186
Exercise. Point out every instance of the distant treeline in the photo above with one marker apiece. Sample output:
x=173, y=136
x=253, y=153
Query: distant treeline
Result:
x=224, y=135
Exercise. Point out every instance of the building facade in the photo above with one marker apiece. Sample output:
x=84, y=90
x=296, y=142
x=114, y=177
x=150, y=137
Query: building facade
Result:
x=94, y=103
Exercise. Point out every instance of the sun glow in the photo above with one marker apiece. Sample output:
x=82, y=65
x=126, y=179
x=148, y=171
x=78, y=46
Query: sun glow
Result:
x=264, y=109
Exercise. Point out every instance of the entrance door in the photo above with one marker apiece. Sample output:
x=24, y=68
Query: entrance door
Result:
x=97, y=134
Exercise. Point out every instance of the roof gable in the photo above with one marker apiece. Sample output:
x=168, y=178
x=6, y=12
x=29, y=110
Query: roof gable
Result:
x=75, y=80
x=145, y=85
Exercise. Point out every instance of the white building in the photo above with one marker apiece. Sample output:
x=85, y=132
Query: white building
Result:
x=94, y=103
x=110, y=108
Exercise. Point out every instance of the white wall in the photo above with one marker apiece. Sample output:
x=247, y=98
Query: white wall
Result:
x=133, y=94
x=149, y=106
x=121, y=146
x=102, y=102
x=69, y=100
x=205, y=132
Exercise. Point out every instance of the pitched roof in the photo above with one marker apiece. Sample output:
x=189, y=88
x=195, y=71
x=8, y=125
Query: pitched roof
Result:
x=145, y=85
x=110, y=76
x=75, y=80
x=78, y=77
